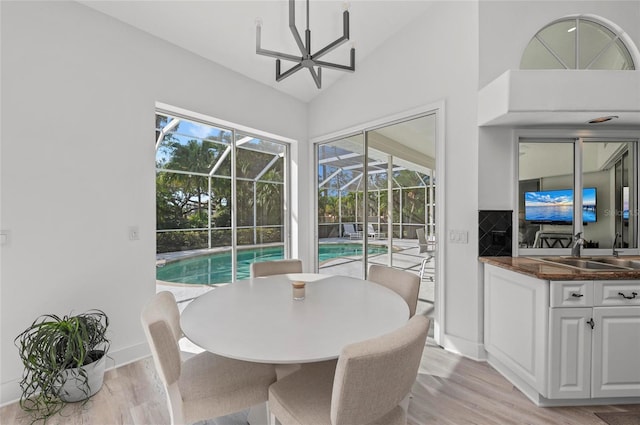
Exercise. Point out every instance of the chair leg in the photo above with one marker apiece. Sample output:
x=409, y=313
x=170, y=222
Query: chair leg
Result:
x=273, y=420
x=258, y=414
x=424, y=266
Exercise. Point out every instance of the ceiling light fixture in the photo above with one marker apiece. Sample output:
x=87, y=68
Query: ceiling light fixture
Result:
x=602, y=119
x=308, y=60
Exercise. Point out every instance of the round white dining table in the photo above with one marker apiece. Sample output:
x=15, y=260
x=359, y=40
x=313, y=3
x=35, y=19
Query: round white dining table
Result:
x=258, y=320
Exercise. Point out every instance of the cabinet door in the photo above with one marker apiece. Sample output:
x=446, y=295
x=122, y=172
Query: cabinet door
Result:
x=570, y=352
x=616, y=352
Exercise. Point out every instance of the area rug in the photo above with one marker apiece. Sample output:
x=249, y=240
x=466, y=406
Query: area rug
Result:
x=620, y=418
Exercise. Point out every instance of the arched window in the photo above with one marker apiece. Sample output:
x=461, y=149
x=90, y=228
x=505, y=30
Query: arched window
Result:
x=577, y=43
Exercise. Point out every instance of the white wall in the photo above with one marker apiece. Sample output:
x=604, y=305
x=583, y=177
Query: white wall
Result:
x=434, y=59
x=506, y=27
x=78, y=100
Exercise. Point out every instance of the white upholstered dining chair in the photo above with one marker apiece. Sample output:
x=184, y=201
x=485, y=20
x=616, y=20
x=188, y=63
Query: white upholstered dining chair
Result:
x=366, y=386
x=268, y=268
x=405, y=284
x=206, y=385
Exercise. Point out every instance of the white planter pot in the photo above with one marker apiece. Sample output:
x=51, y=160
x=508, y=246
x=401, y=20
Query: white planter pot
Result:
x=74, y=388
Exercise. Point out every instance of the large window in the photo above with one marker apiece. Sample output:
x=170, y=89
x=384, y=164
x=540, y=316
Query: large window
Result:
x=570, y=186
x=219, y=192
x=577, y=43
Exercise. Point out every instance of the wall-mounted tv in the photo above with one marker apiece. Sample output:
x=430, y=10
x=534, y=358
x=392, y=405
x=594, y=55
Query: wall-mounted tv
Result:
x=556, y=206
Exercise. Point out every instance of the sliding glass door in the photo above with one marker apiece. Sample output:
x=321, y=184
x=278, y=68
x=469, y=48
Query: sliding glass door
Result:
x=375, y=197
x=341, y=184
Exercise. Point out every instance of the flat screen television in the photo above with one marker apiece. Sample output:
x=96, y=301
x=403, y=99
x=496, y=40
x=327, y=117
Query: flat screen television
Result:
x=556, y=206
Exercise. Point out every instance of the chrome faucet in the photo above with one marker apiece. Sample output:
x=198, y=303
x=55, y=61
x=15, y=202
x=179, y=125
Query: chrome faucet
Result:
x=575, y=249
x=615, y=252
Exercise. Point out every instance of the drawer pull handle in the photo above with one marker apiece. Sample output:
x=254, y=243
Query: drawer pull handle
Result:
x=591, y=323
x=577, y=295
x=633, y=295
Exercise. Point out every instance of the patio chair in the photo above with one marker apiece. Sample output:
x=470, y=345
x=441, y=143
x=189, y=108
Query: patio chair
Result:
x=351, y=232
x=427, y=245
x=373, y=234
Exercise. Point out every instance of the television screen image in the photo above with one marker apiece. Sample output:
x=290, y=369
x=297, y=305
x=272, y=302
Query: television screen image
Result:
x=625, y=202
x=556, y=206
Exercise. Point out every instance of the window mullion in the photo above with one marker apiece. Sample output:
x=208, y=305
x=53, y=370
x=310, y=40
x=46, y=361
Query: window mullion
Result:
x=577, y=44
x=577, y=186
x=555, y=55
x=234, y=209
x=604, y=49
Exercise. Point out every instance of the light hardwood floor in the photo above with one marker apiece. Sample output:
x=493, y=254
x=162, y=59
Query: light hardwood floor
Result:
x=450, y=390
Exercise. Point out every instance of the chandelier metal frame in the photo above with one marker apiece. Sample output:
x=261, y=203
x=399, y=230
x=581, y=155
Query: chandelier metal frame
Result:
x=307, y=60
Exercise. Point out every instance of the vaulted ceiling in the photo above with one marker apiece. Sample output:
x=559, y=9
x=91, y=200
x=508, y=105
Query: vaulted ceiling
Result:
x=225, y=32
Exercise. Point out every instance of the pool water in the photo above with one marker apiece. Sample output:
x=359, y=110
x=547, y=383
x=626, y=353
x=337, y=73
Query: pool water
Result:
x=216, y=267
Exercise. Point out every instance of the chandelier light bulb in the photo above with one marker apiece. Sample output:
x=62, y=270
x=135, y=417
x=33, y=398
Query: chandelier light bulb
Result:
x=346, y=6
x=259, y=22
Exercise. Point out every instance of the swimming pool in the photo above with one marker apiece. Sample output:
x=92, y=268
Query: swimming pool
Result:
x=216, y=267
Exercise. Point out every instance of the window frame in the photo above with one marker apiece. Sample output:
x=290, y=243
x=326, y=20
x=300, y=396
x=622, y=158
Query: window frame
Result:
x=618, y=33
x=234, y=130
x=579, y=137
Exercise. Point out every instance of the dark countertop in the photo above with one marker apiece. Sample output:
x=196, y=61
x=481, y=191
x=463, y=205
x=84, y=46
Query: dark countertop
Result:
x=542, y=270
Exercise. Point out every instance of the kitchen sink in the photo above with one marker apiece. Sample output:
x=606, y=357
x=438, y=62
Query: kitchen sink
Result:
x=600, y=263
x=622, y=262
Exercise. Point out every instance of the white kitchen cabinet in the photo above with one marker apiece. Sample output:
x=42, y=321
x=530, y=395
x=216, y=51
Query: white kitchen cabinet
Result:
x=564, y=342
x=616, y=352
x=570, y=353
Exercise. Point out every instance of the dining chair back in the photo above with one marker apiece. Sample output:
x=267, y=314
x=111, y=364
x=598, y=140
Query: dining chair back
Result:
x=206, y=385
x=268, y=268
x=365, y=387
x=405, y=284
x=374, y=376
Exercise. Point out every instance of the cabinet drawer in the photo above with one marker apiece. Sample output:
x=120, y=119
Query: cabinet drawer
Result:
x=616, y=292
x=572, y=293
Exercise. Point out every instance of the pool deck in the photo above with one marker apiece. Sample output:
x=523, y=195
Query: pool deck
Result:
x=406, y=256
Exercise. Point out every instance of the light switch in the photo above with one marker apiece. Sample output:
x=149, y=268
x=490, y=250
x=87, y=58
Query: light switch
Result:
x=4, y=237
x=458, y=236
x=134, y=233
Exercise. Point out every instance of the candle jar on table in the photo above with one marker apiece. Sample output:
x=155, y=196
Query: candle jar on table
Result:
x=298, y=290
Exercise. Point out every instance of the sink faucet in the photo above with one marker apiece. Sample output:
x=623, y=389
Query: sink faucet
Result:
x=575, y=249
x=615, y=252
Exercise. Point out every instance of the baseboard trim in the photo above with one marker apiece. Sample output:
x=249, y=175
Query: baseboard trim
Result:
x=10, y=390
x=470, y=349
x=540, y=401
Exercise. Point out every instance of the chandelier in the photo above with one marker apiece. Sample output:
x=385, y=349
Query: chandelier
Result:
x=307, y=60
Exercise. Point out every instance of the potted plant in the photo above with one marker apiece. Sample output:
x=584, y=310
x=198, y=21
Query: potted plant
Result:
x=64, y=361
